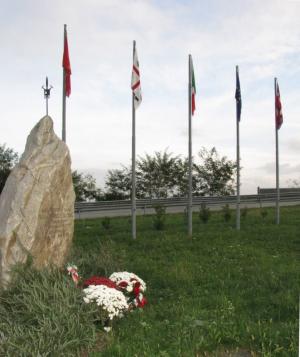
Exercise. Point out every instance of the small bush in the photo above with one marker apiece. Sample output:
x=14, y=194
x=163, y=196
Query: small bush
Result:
x=106, y=222
x=226, y=213
x=185, y=215
x=159, y=219
x=244, y=212
x=263, y=213
x=204, y=213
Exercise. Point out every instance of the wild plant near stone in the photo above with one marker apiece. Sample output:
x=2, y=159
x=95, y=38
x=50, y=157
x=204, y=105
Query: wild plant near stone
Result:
x=42, y=314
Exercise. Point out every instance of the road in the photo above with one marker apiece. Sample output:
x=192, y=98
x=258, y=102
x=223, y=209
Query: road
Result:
x=174, y=209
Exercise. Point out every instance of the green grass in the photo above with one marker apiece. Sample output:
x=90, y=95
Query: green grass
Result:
x=220, y=291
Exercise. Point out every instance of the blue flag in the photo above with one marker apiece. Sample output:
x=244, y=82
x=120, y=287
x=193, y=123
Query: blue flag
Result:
x=238, y=96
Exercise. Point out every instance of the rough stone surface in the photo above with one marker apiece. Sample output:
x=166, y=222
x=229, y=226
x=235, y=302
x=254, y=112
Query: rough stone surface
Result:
x=37, y=204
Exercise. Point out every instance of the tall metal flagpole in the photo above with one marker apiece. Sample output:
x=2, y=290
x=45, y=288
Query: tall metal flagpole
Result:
x=277, y=161
x=190, y=192
x=238, y=200
x=133, y=201
x=64, y=96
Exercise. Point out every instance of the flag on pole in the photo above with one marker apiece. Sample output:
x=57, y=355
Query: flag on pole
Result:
x=238, y=96
x=193, y=88
x=278, y=108
x=135, y=80
x=67, y=66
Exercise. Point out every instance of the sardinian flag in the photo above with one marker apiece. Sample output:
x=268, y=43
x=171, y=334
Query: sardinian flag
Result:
x=135, y=80
x=278, y=108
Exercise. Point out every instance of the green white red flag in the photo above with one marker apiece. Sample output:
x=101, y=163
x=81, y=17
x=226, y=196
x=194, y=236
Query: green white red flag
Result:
x=193, y=89
x=135, y=80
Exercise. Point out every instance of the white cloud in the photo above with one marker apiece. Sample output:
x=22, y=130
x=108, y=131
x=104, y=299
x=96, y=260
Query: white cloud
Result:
x=262, y=37
x=294, y=145
x=284, y=168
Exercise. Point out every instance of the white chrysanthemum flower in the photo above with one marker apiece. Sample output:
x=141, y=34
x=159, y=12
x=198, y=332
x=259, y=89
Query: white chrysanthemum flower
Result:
x=110, y=300
x=129, y=278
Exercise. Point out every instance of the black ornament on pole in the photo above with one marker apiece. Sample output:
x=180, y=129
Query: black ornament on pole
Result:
x=47, y=90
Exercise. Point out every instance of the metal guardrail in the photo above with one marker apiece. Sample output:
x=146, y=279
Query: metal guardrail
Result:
x=183, y=201
x=281, y=190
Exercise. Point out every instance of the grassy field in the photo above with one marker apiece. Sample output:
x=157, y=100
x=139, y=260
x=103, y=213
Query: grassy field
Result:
x=221, y=290
x=216, y=293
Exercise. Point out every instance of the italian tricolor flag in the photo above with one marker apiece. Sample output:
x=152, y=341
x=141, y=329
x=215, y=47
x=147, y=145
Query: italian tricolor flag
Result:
x=193, y=89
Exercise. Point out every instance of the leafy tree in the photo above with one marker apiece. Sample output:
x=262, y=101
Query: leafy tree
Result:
x=118, y=184
x=182, y=179
x=165, y=175
x=85, y=187
x=8, y=159
x=157, y=176
x=215, y=174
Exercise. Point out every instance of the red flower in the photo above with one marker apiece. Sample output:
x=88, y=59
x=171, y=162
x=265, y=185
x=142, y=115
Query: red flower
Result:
x=99, y=280
x=123, y=284
x=136, y=288
x=142, y=303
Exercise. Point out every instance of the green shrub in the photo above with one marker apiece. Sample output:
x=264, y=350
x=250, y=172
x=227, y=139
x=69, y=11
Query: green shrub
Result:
x=263, y=213
x=244, y=212
x=42, y=313
x=106, y=222
x=159, y=219
x=226, y=213
x=185, y=216
x=204, y=213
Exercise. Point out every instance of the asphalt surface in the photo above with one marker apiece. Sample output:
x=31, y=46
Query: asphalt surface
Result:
x=174, y=209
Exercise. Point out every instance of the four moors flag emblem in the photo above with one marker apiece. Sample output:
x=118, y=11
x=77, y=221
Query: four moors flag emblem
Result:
x=135, y=80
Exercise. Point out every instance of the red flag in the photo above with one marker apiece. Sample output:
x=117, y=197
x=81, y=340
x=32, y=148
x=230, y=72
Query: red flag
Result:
x=278, y=108
x=67, y=66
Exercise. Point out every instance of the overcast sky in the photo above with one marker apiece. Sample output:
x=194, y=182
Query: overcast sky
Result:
x=261, y=36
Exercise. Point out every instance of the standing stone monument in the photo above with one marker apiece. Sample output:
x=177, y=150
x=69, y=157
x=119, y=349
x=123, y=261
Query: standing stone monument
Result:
x=37, y=204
